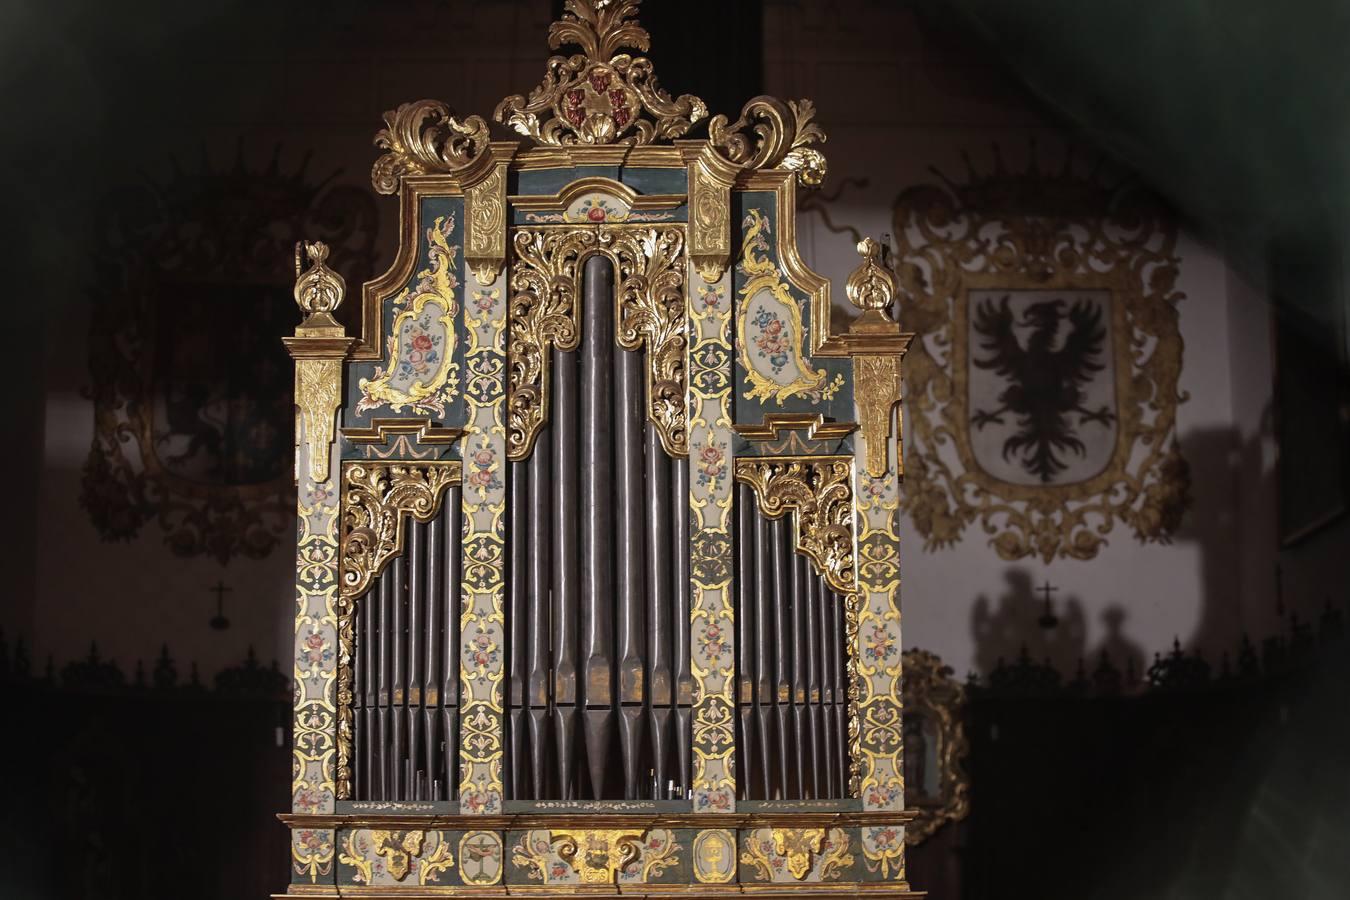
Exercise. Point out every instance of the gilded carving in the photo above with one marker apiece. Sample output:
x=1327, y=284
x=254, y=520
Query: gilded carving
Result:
x=399, y=848
x=709, y=222
x=797, y=854
x=981, y=259
x=377, y=497
x=818, y=492
x=419, y=371
x=934, y=697
x=714, y=856
x=773, y=134
x=599, y=96
x=598, y=855
x=876, y=387
x=424, y=137
x=771, y=331
x=318, y=289
x=544, y=314
x=485, y=205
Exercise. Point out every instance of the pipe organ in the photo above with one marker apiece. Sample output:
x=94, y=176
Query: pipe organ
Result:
x=597, y=569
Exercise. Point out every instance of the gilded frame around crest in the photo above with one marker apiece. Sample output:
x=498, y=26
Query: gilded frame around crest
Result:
x=931, y=691
x=1037, y=232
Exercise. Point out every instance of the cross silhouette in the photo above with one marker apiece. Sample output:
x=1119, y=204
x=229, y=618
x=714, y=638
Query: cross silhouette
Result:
x=218, y=621
x=1048, y=618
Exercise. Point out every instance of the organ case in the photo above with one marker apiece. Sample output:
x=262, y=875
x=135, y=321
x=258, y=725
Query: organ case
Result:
x=597, y=570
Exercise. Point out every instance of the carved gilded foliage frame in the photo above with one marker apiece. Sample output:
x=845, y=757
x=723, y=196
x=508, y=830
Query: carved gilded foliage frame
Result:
x=1001, y=232
x=379, y=500
x=545, y=313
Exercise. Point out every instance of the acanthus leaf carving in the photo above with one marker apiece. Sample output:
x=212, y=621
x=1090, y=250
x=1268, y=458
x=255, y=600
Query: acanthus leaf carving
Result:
x=818, y=492
x=771, y=134
x=425, y=137
x=600, y=96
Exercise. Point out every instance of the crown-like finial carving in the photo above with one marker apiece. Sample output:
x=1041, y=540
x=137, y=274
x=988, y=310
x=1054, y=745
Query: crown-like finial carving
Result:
x=871, y=287
x=600, y=96
x=318, y=290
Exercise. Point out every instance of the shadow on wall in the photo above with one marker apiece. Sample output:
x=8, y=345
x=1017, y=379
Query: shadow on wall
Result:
x=1023, y=624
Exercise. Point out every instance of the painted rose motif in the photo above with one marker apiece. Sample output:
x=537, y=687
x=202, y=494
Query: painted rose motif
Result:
x=770, y=340
x=878, y=645
x=481, y=650
x=884, y=838
x=307, y=800
x=421, y=354
x=714, y=642
x=313, y=841
x=484, y=478
x=718, y=800
x=710, y=298
x=712, y=464
x=484, y=301
x=874, y=487
x=314, y=650
x=882, y=795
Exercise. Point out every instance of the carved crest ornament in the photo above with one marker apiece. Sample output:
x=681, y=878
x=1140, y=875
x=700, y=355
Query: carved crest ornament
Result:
x=1042, y=398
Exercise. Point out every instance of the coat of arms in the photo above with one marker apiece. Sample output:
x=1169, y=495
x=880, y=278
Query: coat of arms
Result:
x=1042, y=396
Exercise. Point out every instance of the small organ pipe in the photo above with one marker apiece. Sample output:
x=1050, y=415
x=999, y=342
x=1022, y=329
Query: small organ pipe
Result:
x=417, y=587
x=628, y=499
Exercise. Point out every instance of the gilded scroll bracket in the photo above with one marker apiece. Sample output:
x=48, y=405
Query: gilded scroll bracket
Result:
x=819, y=493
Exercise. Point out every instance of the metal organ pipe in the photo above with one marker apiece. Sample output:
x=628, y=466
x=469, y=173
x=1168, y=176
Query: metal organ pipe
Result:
x=537, y=602
x=597, y=577
x=659, y=607
x=631, y=565
x=565, y=577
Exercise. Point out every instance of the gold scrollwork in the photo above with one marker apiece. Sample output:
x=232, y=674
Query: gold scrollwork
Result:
x=801, y=851
x=819, y=493
x=763, y=278
x=876, y=387
x=436, y=287
x=600, y=96
x=931, y=693
x=799, y=846
x=399, y=848
x=598, y=855
x=375, y=498
x=544, y=314
x=424, y=137
x=485, y=205
x=773, y=134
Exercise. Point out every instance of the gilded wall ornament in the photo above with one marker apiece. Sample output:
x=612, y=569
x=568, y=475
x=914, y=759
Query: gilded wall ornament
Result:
x=425, y=137
x=600, y=96
x=934, y=705
x=788, y=855
x=1043, y=397
x=819, y=493
x=485, y=205
x=184, y=436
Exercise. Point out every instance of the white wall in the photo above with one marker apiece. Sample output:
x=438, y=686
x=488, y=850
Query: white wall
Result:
x=897, y=98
